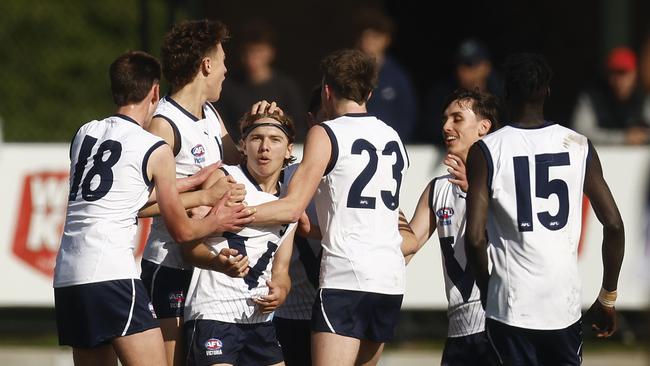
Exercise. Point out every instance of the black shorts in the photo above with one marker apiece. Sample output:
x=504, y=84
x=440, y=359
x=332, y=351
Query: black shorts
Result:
x=94, y=314
x=470, y=350
x=295, y=339
x=357, y=314
x=167, y=288
x=210, y=341
x=519, y=346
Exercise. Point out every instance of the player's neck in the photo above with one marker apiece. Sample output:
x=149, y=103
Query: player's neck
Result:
x=528, y=115
x=137, y=112
x=268, y=184
x=345, y=106
x=191, y=98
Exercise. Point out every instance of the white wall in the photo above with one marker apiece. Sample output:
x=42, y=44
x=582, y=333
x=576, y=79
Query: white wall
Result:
x=33, y=196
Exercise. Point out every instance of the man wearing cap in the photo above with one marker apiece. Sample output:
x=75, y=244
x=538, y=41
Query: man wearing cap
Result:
x=613, y=112
x=473, y=70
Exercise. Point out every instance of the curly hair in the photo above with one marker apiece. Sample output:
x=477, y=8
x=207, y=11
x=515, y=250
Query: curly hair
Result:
x=287, y=126
x=185, y=46
x=350, y=73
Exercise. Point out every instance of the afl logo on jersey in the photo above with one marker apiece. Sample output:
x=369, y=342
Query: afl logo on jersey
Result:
x=213, y=347
x=199, y=154
x=444, y=215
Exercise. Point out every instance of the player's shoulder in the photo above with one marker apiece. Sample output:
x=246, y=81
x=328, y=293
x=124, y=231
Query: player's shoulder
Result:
x=440, y=184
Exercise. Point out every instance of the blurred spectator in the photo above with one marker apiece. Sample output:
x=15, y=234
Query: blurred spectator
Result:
x=613, y=112
x=394, y=100
x=258, y=80
x=473, y=70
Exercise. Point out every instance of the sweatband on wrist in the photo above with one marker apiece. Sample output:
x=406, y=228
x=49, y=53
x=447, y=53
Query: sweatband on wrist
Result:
x=607, y=298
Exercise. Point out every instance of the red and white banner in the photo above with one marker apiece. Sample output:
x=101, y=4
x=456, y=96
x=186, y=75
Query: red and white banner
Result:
x=34, y=191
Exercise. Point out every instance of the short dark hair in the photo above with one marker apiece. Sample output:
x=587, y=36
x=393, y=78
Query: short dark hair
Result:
x=350, y=73
x=484, y=105
x=132, y=75
x=527, y=77
x=185, y=45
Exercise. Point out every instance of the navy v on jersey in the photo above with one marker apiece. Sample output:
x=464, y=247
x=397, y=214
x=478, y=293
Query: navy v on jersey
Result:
x=200, y=145
x=465, y=312
x=216, y=296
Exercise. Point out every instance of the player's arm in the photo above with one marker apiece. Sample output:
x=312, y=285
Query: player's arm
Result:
x=161, y=170
x=190, y=183
x=477, y=211
x=227, y=261
x=280, y=282
x=422, y=223
x=613, y=246
x=214, y=189
x=303, y=184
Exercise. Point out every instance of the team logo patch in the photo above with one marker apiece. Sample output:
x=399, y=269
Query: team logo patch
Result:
x=213, y=347
x=444, y=215
x=199, y=153
x=176, y=300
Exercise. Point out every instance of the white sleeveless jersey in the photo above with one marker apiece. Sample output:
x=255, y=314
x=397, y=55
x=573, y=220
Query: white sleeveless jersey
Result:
x=536, y=179
x=465, y=313
x=200, y=145
x=108, y=185
x=357, y=204
x=304, y=269
x=217, y=296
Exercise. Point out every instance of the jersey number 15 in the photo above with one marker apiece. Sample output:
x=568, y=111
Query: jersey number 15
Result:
x=544, y=188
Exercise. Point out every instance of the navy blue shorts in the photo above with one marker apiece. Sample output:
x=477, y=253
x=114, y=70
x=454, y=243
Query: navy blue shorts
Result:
x=210, y=341
x=357, y=314
x=295, y=339
x=519, y=346
x=167, y=288
x=93, y=314
x=469, y=350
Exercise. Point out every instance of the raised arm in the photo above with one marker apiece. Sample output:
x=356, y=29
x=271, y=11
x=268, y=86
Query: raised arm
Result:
x=613, y=246
x=477, y=211
x=422, y=223
x=303, y=184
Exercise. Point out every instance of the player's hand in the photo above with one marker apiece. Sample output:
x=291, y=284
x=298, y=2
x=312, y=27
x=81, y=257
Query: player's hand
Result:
x=198, y=212
x=603, y=319
x=230, y=262
x=231, y=218
x=199, y=177
x=221, y=187
x=456, y=168
x=264, y=106
x=275, y=298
